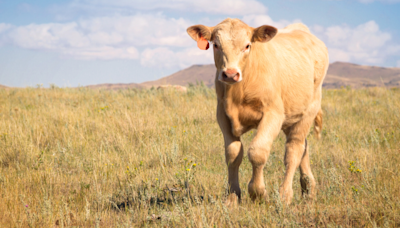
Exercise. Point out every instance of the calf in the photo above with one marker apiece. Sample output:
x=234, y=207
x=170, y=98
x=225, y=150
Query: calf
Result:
x=268, y=80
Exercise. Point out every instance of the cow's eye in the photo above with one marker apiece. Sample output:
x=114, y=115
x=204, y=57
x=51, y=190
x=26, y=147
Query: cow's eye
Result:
x=248, y=46
x=216, y=46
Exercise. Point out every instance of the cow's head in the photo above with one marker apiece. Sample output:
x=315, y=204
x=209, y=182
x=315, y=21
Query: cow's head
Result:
x=232, y=41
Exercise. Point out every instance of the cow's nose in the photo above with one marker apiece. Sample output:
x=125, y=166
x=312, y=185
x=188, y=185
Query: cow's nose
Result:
x=231, y=74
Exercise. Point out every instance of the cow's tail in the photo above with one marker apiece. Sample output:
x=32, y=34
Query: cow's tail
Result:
x=318, y=124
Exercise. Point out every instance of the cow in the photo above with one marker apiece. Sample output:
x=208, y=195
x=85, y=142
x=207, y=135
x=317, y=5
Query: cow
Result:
x=266, y=80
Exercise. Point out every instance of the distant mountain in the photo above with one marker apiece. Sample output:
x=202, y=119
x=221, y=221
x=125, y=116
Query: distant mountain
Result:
x=3, y=87
x=193, y=74
x=357, y=76
x=339, y=74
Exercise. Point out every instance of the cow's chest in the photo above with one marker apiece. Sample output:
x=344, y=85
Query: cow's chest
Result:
x=244, y=116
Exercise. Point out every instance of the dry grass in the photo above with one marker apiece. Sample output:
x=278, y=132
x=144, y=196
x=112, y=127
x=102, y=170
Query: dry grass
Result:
x=80, y=157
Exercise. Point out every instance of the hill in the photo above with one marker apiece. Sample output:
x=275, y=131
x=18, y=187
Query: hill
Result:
x=193, y=74
x=357, y=76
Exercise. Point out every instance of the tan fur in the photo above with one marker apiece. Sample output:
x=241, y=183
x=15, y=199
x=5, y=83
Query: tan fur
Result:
x=318, y=124
x=296, y=26
x=280, y=88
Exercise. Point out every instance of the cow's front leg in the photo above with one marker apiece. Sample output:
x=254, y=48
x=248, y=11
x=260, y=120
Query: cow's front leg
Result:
x=259, y=150
x=233, y=155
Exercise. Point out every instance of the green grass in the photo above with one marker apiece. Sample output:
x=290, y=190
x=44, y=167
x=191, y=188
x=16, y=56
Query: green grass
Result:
x=84, y=158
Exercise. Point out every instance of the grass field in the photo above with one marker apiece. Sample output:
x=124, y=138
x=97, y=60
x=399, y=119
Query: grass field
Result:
x=97, y=158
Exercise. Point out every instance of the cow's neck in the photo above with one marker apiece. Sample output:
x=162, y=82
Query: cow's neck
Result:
x=234, y=93
x=244, y=101
x=237, y=93
x=240, y=109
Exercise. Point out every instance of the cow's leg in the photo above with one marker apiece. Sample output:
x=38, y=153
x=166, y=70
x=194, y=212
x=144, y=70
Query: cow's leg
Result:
x=296, y=155
x=233, y=155
x=259, y=150
x=307, y=180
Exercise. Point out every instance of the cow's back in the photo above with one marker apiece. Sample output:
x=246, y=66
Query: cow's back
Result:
x=300, y=60
x=305, y=52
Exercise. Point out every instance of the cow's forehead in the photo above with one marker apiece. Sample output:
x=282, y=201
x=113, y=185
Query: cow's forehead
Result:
x=232, y=31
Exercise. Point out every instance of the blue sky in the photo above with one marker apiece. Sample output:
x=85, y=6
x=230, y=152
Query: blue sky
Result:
x=83, y=42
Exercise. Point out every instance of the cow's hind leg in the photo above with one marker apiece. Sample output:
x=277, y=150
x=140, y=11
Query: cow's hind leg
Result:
x=307, y=180
x=296, y=155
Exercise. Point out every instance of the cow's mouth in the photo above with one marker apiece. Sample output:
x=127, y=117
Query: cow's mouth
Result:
x=230, y=79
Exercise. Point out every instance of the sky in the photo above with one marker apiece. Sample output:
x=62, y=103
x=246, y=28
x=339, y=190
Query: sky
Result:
x=73, y=43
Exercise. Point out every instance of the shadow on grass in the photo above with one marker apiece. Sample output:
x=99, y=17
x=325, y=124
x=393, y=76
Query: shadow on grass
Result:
x=153, y=194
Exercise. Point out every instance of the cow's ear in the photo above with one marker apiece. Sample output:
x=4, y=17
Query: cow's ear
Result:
x=201, y=34
x=264, y=33
x=198, y=31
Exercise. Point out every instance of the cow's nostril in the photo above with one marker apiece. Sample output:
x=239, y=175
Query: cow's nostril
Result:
x=231, y=73
x=224, y=76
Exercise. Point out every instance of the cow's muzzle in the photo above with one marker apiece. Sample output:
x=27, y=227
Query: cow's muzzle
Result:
x=230, y=76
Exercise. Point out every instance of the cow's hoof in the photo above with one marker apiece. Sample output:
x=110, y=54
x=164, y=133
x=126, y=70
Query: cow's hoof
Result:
x=232, y=201
x=259, y=195
x=308, y=187
x=286, y=195
x=257, y=192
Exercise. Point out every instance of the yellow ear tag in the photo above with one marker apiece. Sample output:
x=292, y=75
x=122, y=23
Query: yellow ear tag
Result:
x=203, y=44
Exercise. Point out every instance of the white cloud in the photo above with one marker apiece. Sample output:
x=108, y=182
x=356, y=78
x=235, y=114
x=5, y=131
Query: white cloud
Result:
x=393, y=49
x=225, y=7
x=365, y=43
x=71, y=39
x=139, y=30
x=101, y=38
x=4, y=27
x=165, y=43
